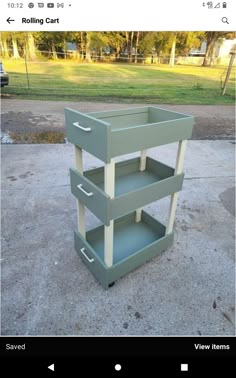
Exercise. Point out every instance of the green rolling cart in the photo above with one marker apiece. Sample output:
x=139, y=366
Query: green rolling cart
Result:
x=117, y=192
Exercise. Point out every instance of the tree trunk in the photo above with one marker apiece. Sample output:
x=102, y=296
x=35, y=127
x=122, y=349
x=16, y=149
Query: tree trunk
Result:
x=213, y=55
x=81, y=47
x=100, y=53
x=4, y=47
x=118, y=52
x=127, y=44
x=16, y=54
x=65, y=49
x=88, y=42
x=209, y=52
x=136, y=48
x=31, y=47
x=211, y=39
x=131, y=46
x=172, y=54
x=54, y=52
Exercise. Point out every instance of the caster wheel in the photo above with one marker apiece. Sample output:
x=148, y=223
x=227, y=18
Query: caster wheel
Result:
x=111, y=284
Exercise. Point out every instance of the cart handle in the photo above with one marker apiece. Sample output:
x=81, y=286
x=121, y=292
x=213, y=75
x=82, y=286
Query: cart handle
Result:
x=88, y=194
x=89, y=260
x=81, y=127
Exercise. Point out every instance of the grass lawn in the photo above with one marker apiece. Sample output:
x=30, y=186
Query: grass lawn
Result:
x=69, y=80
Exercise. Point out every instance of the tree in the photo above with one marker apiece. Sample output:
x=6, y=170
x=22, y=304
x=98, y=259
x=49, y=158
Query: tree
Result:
x=99, y=40
x=182, y=42
x=4, y=36
x=83, y=41
x=23, y=44
x=52, y=42
x=78, y=38
x=211, y=39
x=136, y=47
x=116, y=41
x=172, y=53
x=129, y=44
x=87, y=46
x=132, y=39
x=162, y=42
x=31, y=50
x=14, y=39
x=147, y=42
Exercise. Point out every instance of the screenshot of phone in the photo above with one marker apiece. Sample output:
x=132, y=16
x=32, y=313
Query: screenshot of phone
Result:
x=107, y=269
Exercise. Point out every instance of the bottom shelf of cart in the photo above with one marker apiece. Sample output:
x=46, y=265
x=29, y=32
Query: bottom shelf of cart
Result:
x=134, y=244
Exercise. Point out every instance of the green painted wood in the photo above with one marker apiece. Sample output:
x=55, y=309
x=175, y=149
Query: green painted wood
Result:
x=117, y=117
x=137, y=138
x=141, y=197
x=133, y=262
x=128, y=167
x=163, y=170
x=129, y=237
x=123, y=131
x=115, y=133
x=96, y=141
x=129, y=251
x=153, y=223
x=127, y=120
x=122, y=168
x=98, y=203
x=162, y=115
x=97, y=267
x=133, y=189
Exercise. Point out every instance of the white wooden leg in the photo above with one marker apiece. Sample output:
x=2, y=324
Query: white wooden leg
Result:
x=172, y=210
x=109, y=180
x=174, y=197
x=180, y=156
x=142, y=167
x=109, y=172
x=138, y=214
x=80, y=205
x=143, y=158
x=108, y=245
x=81, y=218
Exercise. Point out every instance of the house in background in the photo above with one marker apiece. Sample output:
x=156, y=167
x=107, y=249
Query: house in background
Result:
x=223, y=48
x=222, y=52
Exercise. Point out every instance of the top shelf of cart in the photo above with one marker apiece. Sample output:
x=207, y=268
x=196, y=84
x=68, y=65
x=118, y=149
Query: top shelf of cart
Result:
x=108, y=134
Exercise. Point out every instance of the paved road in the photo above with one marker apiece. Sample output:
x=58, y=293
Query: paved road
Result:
x=22, y=116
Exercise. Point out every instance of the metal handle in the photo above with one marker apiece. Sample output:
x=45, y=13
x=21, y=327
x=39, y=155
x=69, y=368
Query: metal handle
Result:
x=89, y=260
x=88, y=194
x=81, y=127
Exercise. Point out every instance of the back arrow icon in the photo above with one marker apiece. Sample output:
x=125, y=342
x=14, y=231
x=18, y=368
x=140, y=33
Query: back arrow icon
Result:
x=9, y=20
x=51, y=367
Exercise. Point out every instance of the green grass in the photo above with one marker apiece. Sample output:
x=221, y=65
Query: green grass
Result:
x=67, y=80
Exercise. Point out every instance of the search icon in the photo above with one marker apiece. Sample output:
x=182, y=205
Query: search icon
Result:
x=225, y=20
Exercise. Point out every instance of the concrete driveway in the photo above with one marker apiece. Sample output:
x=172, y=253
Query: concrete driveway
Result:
x=47, y=290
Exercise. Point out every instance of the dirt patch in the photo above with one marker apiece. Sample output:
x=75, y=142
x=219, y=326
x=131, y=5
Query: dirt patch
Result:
x=50, y=137
x=27, y=121
x=27, y=127
x=213, y=128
